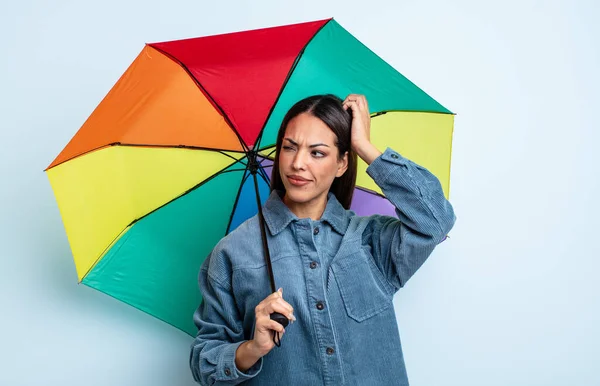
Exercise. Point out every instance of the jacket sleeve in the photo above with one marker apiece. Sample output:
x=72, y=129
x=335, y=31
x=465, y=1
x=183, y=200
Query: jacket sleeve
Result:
x=401, y=245
x=220, y=333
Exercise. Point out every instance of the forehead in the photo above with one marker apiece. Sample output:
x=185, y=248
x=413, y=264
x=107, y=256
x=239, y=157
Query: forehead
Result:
x=308, y=129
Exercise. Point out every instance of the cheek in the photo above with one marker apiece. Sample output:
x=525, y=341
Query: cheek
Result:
x=283, y=162
x=327, y=172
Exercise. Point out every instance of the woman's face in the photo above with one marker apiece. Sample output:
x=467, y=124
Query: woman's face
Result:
x=308, y=160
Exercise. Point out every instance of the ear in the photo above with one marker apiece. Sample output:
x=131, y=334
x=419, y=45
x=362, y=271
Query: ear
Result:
x=342, y=165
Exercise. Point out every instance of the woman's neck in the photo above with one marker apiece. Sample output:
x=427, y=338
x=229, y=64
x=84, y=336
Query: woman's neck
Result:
x=312, y=209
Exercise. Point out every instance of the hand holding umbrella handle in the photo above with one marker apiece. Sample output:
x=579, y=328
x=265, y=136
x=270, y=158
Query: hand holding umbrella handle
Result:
x=281, y=319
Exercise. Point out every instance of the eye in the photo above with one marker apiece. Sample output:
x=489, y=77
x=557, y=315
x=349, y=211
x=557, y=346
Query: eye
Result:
x=287, y=148
x=317, y=154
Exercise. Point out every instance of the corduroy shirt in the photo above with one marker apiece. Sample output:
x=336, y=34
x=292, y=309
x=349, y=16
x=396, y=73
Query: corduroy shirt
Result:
x=339, y=273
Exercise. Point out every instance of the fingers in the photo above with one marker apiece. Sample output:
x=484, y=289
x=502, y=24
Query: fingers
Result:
x=357, y=104
x=358, y=99
x=269, y=324
x=361, y=99
x=273, y=325
x=265, y=326
x=277, y=299
x=277, y=306
x=352, y=104
x=275, y=303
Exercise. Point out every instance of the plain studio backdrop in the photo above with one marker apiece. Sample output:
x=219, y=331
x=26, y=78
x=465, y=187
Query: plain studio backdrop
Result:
x=511, y=299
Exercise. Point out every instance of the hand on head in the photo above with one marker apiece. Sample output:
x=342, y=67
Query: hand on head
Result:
x=360, y=132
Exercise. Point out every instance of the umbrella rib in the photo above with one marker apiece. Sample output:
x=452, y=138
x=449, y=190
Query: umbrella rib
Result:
x=262, y=171
x=383, y=112
x=373, y=115
x=263, y=174
x=103, y=252
x=224, y=170
x=188, y=147
x=285, y=82
x=207, y=94
x=237, y=198
x=370, y=191
x=154, y=210
x=232, y=170
x=270, y=153
x=233, y=158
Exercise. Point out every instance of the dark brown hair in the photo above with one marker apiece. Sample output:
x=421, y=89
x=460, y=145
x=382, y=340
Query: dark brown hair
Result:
x=328, y=108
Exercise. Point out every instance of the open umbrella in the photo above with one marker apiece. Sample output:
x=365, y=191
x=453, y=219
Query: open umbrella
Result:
x=178, y=152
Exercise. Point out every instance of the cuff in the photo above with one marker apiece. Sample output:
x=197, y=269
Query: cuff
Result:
x=384, y=165
x=227, y=371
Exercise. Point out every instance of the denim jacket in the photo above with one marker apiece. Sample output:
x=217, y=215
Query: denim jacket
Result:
x=339, y=273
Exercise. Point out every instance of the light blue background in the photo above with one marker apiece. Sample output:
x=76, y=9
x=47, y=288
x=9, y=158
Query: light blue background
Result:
x=511, y=299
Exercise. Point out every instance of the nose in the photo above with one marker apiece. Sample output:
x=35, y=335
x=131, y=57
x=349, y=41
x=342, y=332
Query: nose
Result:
x=299, y=161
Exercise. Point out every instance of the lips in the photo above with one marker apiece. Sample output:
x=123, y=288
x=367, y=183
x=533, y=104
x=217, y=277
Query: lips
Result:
x=297, y=180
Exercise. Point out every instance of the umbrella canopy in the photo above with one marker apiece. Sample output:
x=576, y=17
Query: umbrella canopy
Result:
x=160, y=171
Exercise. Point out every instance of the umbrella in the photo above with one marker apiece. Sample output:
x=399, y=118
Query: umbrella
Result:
x=179, y=152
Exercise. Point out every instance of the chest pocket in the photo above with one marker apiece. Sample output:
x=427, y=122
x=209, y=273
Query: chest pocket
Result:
x=363, y=288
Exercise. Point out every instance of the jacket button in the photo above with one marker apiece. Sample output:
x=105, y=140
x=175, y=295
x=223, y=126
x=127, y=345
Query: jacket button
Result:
x=330, y=351
x=313, y=264
x=394, y=156
x=227, y=372
x=316, y=231
x=320, y=305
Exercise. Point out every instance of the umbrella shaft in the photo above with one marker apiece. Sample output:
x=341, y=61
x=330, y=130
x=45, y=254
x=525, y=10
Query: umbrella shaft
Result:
x=264, y=235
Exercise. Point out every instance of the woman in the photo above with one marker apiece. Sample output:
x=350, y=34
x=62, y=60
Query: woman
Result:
x=338, y=271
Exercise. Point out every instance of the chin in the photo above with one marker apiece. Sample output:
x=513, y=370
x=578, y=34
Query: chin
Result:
x=301, y=197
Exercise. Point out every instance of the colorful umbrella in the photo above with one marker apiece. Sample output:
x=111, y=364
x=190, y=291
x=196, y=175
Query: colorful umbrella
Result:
x=161, y=170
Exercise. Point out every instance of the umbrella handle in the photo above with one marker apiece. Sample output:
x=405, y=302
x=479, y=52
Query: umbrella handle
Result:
x=281, y=319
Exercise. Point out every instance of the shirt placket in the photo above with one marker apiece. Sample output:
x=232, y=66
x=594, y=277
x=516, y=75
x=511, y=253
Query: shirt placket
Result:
x=309, y=234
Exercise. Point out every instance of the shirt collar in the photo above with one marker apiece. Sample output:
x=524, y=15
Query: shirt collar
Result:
x=278, y=216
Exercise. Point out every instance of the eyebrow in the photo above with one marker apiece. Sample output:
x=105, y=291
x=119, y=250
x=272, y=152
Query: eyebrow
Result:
x=311, y=146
